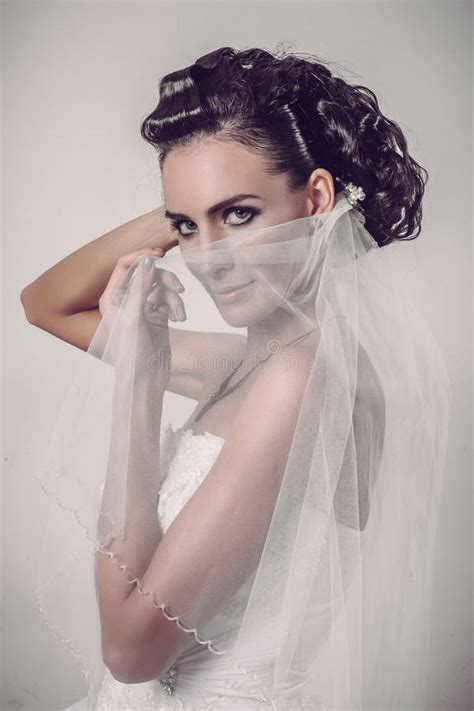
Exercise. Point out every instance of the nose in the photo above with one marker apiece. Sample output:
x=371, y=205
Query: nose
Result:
x=213, y=271
x=209, y=236
x=214, y=261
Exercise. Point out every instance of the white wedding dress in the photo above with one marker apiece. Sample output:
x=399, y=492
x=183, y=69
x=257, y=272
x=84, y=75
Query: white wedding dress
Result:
x=202, y=680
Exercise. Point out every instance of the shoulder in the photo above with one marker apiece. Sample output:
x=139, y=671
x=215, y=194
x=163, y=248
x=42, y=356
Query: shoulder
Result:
x=271, y=405
x=262, y=432
x=287, y=368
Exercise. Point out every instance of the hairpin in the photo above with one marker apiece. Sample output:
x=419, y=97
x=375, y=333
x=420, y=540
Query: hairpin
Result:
x=353, y=193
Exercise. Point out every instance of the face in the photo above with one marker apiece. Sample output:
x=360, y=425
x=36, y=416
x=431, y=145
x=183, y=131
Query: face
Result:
x=204, y=187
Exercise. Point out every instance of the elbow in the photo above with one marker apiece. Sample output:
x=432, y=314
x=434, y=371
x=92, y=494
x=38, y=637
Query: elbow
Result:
x=37, y=313
x=132, y=668
x=25, y=302
x=119, y=665
x=29, y=307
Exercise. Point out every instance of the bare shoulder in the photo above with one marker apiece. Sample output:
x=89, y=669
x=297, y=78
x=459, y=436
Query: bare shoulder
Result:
x=286, y=369
x=270, y=408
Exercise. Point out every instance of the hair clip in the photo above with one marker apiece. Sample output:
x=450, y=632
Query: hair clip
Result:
x=353, y=193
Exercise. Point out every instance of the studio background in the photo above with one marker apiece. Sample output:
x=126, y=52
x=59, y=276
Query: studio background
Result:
x=77, y=79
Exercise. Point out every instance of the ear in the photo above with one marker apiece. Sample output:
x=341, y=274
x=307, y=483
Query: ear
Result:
x=320, y=191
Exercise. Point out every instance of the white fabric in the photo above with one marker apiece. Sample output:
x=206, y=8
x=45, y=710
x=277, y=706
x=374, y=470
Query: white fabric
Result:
x=204, y=681
x=307, y=582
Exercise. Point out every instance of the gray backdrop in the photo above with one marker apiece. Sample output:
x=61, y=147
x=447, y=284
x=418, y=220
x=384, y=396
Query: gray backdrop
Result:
x=78, y=77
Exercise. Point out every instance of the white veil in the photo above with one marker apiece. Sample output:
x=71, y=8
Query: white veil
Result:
x=326, y=564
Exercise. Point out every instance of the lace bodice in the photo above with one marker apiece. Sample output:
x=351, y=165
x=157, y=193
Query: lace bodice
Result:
x=202, y=680
x=186, y=458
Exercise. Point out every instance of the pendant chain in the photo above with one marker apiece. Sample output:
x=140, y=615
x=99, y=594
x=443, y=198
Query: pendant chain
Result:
x=222, y=392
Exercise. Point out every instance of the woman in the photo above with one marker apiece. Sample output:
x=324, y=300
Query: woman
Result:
x=276, y=550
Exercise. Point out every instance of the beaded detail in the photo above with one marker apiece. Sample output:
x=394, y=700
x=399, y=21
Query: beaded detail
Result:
x=169, y=680
x=186, y=460
x=354, y=193
x=153, y=696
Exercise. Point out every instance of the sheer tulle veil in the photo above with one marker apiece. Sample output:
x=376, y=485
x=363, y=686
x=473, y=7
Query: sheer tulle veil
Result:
x=336, y=564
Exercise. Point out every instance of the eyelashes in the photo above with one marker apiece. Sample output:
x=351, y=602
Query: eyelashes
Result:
x=250, y=211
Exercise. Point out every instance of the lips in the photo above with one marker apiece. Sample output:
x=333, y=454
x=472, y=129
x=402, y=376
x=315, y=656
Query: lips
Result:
x=229, y=289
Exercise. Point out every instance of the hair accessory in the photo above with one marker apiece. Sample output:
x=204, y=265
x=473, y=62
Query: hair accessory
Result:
x=353, y=193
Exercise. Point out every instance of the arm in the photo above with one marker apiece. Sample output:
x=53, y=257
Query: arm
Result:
x=64, y=299
x=230, y=512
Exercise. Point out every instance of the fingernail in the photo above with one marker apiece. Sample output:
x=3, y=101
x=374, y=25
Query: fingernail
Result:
x=146, y=263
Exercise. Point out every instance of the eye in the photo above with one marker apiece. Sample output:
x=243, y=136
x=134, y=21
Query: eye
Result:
x=249, y=213
x=176, y=226
x=246, y=210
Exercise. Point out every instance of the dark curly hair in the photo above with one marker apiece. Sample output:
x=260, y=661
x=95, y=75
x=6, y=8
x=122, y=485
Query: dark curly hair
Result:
x=298, y=116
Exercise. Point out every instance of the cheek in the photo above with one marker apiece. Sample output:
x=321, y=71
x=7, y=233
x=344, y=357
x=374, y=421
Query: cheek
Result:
x=194, y=270
x=273, y=281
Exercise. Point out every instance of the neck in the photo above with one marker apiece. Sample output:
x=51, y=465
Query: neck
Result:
x=286, y=324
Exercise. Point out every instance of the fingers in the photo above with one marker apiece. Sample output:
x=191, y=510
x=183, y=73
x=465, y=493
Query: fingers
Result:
x=122, y=274
x=168, y=278
x=137, y=259
x=168, y=301
x=175, y=305
x=162, y=285
x=165, y=288
x=157, y=316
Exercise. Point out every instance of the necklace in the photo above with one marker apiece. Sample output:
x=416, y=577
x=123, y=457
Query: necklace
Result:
x=222, y=392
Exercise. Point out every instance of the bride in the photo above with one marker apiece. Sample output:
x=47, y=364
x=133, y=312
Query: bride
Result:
x=276, y=550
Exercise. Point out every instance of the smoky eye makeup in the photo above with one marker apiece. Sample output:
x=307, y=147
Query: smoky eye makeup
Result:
x=249, y=212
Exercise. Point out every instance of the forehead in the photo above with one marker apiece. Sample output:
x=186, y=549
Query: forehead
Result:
x=198, y=175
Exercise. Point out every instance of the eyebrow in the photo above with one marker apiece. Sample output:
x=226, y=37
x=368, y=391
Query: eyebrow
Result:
x=215, y=208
